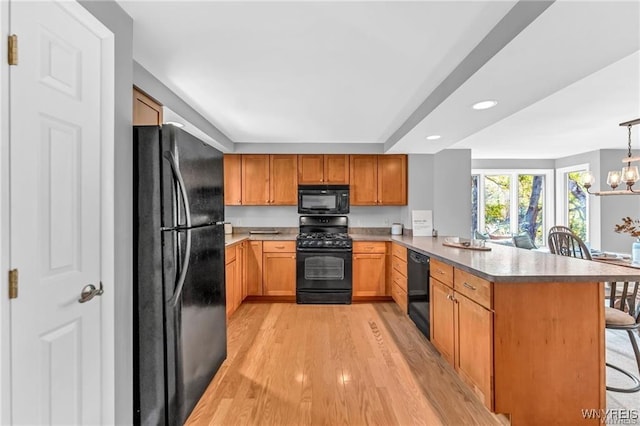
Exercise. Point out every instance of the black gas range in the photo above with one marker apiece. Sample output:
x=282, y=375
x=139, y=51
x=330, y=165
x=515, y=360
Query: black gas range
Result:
x=323, y=268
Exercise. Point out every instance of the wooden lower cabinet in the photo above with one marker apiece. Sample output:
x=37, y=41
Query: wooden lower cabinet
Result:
x=474, y=357
x=369, y=274
x=253, y=268
x=462, y=331
x=231, y=279
x=279, y=274
x=399, y=276
x=442, y=319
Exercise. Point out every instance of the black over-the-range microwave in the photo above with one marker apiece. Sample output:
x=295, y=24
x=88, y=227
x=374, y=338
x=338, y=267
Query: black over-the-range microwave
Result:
x=323, y=199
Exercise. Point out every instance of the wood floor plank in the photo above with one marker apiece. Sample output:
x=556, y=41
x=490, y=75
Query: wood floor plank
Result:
x=355, y=364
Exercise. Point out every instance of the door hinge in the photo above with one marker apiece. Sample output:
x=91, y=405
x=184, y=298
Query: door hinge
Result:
x=13, y=49
x=13, y=284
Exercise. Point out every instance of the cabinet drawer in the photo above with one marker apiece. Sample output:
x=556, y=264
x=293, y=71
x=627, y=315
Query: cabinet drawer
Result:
x=399, y=280
x=399, y=251
x=278, y=246
x=441, y=271
x=229, y=254
x=369, y=247
x=475, y=288
x=399, y=265
x=400, y=297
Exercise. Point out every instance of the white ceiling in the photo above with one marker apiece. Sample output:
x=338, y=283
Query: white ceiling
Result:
x=354, y=72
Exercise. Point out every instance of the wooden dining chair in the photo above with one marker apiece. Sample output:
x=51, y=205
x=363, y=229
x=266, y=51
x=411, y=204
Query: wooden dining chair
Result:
x=567, y=244
x=623, y=313
x=560, y=228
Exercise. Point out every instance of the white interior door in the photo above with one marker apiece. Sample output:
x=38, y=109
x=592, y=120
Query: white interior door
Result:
x=55, y=140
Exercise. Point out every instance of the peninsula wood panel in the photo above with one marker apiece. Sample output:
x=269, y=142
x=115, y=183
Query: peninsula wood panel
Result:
x=283, y=180
x=146, y=110
x=232, y=179
x=255, y=179
x=253, y=268
x=549, y=351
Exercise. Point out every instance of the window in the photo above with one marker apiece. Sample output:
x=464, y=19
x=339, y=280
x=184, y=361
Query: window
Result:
x=512, y=202
x=572, y=201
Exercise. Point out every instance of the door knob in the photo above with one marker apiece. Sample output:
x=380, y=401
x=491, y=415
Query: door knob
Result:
x=89, y=291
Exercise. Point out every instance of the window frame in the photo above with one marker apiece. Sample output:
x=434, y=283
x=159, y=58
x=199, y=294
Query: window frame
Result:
x=548, y=196
x=562, y=208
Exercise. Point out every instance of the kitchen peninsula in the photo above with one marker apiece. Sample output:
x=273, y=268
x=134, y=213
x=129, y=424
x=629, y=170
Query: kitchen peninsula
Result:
x=524, y=329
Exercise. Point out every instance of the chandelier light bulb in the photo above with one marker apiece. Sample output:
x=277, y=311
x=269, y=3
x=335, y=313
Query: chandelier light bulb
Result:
x=613, y=179
x=630, y=174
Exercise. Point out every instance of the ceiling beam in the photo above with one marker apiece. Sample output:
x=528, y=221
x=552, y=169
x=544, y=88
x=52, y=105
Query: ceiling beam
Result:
x=517, y=19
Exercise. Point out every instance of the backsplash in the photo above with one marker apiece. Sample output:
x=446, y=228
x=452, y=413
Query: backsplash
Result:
x=288, y=217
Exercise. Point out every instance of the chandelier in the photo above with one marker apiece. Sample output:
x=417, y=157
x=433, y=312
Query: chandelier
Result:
x=628, y=175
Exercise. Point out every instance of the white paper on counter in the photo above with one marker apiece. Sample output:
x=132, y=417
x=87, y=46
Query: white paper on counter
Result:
x=422, y=221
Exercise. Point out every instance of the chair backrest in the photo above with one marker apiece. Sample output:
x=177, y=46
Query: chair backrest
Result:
x=560, y=228
x=567, y=244
x=625, y=297
x=523, y=241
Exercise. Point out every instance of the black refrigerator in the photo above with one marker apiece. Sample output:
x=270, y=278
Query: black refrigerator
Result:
x=179, y=316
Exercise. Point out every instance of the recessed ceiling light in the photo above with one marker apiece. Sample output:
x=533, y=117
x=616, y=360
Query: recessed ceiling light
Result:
x=433, y=137
x=175, y=123
x=484, y=105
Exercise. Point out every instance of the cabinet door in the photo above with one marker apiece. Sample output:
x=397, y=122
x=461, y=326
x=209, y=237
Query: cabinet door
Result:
x=230, y=283
x=146, y=111
x=442, y=320
x=363, y=180
x=238, y=294
x=255, y=179
x=336, y=169
x=253, y=268
x=392, y=180
x=474, y=360
x=284, y=180
x=369, y=274
x=232, y=179
x=310, y=169
x=279, y=277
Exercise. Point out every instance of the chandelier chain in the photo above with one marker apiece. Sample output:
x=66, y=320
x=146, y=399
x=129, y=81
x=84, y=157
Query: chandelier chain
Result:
x=629, y=143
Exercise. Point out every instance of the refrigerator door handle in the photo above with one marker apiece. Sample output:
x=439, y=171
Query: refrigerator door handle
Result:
x=187, y=251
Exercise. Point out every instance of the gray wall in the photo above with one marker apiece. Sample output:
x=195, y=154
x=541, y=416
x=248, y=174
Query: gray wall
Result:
x=308, y=148
x=452, y=192
x=614, y=208
x=420, y=186
x=113, y=17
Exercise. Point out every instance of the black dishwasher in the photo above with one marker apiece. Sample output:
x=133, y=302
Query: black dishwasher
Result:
x=418, y=290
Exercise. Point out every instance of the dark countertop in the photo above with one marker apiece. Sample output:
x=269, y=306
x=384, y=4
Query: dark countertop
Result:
x=511, y=264
x=501, y=264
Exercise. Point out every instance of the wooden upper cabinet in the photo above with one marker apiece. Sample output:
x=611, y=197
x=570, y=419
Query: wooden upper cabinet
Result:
x=378, y=180
x=146, y=111
x=323, y=169
x=232, y=179
x=255, y=179
x=269, y=180
x=392, y=180
x=363, y=178
x=283, y=184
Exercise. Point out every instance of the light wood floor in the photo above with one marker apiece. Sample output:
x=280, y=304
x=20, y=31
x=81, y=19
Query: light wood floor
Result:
x=354, y=364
